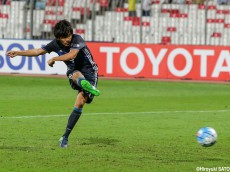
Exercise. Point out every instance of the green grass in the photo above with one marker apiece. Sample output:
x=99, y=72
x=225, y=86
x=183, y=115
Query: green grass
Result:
x=132, y=126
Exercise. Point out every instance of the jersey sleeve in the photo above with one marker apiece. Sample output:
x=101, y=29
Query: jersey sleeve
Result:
x=49, y=47
x=78, y=42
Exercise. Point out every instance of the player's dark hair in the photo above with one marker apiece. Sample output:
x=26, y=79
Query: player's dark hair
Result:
x=63, y=29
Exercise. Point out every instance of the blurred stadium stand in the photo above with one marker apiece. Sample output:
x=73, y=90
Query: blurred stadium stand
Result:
x=183, y=22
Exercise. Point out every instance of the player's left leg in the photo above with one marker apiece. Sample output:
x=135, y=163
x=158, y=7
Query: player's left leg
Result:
x=73, y=118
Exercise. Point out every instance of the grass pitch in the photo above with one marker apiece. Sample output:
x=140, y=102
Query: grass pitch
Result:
x=132, y=126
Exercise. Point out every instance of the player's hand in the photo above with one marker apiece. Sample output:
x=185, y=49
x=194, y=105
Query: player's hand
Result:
x=51, y=62
x=12, y=53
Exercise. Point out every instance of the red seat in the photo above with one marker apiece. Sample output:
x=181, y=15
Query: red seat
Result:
x=171, y=29
x=54, y=2
x=4, y=16
x=80, y=31
x=104, y=3
x=51, y=22
x=216, y=35
x=227, y=25
x=166, y=40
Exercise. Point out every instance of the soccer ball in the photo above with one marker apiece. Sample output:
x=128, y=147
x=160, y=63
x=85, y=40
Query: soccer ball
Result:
x=206, y=136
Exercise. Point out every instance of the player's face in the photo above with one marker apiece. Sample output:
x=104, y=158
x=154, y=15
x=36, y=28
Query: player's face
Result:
x=66, y=41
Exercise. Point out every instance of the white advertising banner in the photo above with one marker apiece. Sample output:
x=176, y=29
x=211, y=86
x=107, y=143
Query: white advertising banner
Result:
x=27, y=65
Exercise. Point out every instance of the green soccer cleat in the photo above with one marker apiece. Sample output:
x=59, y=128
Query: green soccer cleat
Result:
x=90, y=88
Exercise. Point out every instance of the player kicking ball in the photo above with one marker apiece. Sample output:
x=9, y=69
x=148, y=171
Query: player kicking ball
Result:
x=82, y=71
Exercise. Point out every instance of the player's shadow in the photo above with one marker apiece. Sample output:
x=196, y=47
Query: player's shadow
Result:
x=18, y=148
x=212, y=159
x=99, y=141
x=195, y=160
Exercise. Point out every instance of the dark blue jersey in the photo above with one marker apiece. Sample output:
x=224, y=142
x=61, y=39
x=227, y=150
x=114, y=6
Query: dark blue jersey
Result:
x=84, y=60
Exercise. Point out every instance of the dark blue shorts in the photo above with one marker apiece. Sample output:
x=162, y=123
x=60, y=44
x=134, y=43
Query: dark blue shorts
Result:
x=91, y=76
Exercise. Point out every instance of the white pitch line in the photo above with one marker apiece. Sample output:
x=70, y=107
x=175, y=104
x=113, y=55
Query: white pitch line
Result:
x=117, y=113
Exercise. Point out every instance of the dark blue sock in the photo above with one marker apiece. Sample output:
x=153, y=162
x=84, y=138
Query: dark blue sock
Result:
x=73, y=118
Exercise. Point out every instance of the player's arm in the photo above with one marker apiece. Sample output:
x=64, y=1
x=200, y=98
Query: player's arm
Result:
x=30, y=53
x=66, y=57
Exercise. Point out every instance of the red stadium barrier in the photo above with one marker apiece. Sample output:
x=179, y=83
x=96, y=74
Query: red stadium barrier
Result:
x=149, y=61
x=162, y=62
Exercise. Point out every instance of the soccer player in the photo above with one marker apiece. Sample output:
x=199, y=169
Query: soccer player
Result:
x=82, y=71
